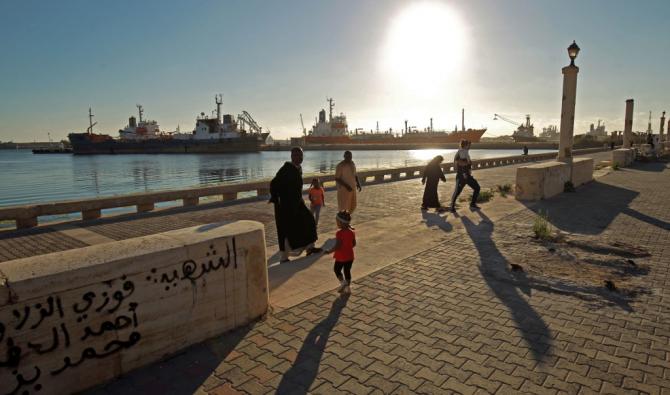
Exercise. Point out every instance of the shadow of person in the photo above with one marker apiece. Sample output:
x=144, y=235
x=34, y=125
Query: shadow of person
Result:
x=302, y=373
x=282, y=272
x=435, y=219
x=508, y=288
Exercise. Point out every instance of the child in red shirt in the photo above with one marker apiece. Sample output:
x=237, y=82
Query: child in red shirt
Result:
x=317, y=199
x=343, y=251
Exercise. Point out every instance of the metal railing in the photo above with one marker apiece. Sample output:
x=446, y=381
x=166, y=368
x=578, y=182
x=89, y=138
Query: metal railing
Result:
x=26, y=216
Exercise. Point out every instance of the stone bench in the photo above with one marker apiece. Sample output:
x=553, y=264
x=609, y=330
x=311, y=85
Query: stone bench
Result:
x=74, y=319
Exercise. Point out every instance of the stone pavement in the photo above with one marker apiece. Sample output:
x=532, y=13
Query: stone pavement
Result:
x=449, y=317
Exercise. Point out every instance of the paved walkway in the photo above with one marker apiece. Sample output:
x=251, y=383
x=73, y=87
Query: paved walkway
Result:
x=439, y=311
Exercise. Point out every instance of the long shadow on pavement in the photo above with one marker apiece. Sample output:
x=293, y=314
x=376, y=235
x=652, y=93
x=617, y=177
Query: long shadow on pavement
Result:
x=493, y=267
x=302, y=373
x=433, y=219
x=645, y=218
x=590, y=210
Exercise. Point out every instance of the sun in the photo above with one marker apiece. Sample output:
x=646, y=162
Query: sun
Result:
x=425, y=47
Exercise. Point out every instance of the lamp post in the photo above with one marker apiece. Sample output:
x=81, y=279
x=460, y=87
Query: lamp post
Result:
x=568, y=105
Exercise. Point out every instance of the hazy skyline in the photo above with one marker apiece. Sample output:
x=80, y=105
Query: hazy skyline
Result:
x=383, y=61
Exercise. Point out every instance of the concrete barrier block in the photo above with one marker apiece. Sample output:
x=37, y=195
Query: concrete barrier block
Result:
x=623, y=157
x=88, y=215
x=582, y=171
x=145, y=207
x=191, y=201
x=541, y=181
x=26, y=223
x=228, y=196
x=82, y=317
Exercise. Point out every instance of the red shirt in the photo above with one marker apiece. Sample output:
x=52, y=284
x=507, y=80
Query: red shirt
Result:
x=345, y=252
x=316, y=196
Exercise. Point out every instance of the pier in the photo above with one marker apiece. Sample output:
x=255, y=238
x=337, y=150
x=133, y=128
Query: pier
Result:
x=436, y=303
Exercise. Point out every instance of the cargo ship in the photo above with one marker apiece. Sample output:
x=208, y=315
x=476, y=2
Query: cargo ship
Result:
x=216, y=134
x=335, y=130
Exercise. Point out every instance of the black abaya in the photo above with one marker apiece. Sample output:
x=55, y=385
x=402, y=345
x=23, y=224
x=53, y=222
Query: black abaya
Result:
x=293, y=219
x=432, y=175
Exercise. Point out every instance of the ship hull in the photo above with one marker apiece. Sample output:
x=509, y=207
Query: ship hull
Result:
x=80, y=146
x=472, y=135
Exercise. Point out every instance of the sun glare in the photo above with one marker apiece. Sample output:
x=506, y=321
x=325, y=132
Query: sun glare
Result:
x=425, y=47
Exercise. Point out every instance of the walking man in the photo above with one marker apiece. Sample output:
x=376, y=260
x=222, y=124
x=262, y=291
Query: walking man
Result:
x=346, y=179
x=464, y=177
x=296, y=228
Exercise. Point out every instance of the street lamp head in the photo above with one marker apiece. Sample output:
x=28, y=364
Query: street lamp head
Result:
x=573, y=50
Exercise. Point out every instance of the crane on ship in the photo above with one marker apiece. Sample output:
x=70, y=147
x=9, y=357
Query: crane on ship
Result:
x=523, y=131
x=246, y=119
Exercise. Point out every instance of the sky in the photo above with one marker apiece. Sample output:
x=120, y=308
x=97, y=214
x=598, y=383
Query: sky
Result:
x=382, y=61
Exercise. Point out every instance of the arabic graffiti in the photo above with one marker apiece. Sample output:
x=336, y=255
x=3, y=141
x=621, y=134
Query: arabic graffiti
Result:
x=91, y=324
x=190, y=270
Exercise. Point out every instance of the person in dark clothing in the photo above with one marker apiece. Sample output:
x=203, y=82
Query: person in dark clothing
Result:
x=650, y=140
x=525, y=150
x=612, y=145
x=296, y=228
x=432, y=175
x=463, y=178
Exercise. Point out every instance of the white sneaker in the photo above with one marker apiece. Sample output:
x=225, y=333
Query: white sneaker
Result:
x=340, y=289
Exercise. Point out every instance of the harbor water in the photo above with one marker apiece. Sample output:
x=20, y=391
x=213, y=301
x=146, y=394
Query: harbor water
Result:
x=27, y=178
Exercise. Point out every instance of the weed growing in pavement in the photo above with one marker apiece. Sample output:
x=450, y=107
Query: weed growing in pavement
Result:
x=541, y=226
x=484, y=196
x=503, y=190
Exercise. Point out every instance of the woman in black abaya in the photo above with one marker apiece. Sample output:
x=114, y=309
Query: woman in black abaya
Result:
x=432, y=175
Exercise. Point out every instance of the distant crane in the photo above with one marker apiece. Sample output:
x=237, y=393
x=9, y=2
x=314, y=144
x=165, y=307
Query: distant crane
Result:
x=522, y=131
x=304, y=131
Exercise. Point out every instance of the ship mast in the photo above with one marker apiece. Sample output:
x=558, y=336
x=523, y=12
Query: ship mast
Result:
x=140, y=110
x=90, y=121
x=331, y=105
x=219, y=100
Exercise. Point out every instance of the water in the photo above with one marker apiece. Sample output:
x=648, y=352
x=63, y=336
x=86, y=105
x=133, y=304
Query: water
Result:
x=27, y=178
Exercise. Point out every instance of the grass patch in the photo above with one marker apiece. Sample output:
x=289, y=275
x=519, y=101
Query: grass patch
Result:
x=615, y=166
x=541, y=226
x=484, y=196
x=503, y=190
